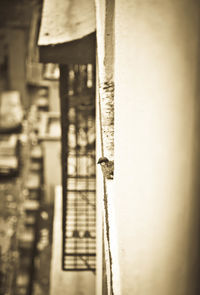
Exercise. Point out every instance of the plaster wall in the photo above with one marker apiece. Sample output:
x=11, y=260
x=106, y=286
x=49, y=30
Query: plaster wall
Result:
x=156, y=199
x=105, y=142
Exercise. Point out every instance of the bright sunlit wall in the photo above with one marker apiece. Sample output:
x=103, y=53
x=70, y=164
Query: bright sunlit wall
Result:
x=156, y=146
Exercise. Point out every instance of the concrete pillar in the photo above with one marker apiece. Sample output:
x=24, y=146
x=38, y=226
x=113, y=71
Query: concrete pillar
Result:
x=105, y=139
x=105, y=79
x=157, y=146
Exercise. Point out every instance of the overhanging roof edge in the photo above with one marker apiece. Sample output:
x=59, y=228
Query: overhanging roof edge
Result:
x=66, y=21
x=77, y=51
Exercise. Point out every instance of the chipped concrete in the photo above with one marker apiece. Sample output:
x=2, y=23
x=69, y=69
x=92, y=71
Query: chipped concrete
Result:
x=106, y=90
x=105, y=39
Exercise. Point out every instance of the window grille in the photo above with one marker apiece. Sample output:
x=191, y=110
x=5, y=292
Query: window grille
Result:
x=79, y=179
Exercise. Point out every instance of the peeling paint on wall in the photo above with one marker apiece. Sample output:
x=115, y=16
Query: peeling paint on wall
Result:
x=107, y=114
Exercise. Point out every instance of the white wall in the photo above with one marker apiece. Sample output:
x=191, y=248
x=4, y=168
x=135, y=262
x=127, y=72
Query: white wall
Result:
x=156, y=145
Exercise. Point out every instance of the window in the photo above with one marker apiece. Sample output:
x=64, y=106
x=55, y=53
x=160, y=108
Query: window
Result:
x=79, y=169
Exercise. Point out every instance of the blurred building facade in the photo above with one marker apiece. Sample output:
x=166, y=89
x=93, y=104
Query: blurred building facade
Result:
x=25, y=266
x=16, y=17
x=147, y=106
x=74, y=229
x=148, y=71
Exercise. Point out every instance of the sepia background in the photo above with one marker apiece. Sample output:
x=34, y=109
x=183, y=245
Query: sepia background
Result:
x=82, y=80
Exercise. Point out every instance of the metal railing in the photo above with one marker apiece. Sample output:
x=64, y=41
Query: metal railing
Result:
x=79, y=179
